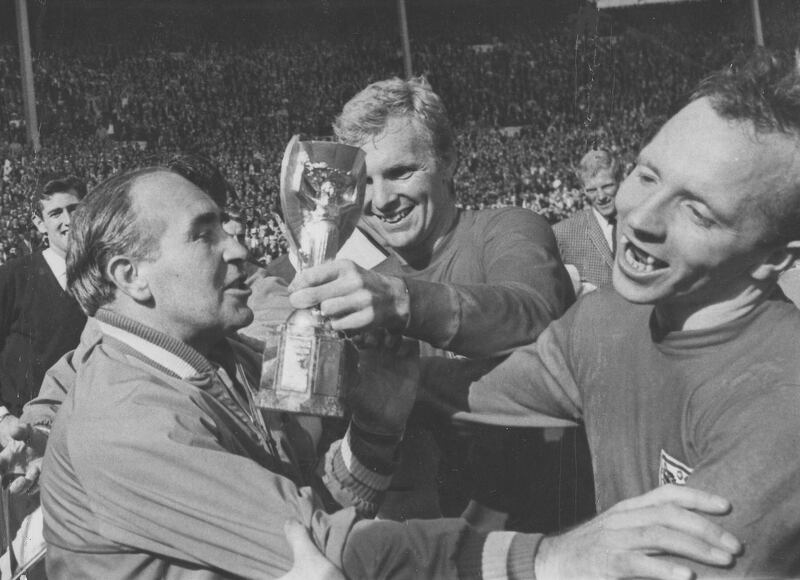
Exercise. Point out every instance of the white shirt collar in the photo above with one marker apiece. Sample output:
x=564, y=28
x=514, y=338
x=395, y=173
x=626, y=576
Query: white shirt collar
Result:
x=57, y=265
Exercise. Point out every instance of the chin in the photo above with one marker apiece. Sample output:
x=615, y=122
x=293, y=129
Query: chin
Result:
x=240, y=319
x=633, y=292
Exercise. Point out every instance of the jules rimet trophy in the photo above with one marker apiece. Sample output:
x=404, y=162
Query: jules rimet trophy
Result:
x=322, y=192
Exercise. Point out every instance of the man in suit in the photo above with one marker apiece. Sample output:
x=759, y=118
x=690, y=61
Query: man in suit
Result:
x=586, y=240
x=39, y=319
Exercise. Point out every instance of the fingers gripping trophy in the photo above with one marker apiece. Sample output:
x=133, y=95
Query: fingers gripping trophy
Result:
x=322, y=192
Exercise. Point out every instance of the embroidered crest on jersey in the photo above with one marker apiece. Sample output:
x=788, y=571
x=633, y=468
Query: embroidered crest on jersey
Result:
x=670, y=470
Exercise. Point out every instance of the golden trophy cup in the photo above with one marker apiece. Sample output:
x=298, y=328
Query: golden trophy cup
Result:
x=322, y=193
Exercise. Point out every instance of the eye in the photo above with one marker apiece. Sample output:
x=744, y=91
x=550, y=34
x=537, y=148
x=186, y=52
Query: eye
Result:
x=645, y=177
x=699, y=218
x=403, y=172
x=204, y=235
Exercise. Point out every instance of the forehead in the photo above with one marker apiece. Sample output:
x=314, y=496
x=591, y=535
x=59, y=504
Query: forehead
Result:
x=401, y=138
x=722, y=162
x=602, y=177
x=169, y=200
x=59, y=201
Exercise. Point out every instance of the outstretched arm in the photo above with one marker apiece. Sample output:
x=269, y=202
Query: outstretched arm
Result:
x=519, y=286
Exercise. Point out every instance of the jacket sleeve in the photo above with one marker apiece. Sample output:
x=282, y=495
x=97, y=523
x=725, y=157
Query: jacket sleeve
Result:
x=526, y=286
x=59, y=380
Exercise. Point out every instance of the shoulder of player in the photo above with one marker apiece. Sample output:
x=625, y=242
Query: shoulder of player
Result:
x=507, y=219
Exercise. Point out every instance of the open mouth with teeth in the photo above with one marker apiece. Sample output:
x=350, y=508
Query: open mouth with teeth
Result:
x=639, y=260
x=394, y=217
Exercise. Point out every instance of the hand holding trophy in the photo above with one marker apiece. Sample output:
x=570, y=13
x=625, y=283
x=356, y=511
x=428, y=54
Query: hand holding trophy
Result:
x=322, y=193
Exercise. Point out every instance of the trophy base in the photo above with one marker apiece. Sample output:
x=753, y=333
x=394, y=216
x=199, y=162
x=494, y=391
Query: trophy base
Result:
x=308, y=372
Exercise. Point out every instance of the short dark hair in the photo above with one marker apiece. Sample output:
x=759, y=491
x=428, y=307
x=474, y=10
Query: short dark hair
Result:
x=203, y=173
x=66, y=184
x=764, y=90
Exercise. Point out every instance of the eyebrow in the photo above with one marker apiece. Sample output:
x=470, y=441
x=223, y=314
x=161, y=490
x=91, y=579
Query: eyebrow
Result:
x=641, y=160
x=204, y=219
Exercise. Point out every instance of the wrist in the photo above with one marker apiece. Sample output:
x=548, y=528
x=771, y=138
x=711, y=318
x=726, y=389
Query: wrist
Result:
x=370, y=431
x=378, y=453
x=402, y=304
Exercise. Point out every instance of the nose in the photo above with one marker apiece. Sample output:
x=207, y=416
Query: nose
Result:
x=379, y=194
x=66, y=217
x=643, y=211
x=234, y=250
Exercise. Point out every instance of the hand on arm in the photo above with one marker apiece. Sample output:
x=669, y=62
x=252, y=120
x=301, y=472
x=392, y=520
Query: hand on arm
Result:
x=8, y=424
x=621, y=542
x=22, y=457
x=309, y=562
x=351, y=297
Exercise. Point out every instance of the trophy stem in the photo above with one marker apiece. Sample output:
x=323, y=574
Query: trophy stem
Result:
x=319, y=242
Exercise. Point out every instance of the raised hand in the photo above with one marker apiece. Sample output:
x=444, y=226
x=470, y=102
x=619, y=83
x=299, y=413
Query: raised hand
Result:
x=21, y=458
x=351, y=297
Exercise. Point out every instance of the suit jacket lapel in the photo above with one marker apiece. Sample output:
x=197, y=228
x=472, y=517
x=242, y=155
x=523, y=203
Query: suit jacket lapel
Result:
x=598, y=239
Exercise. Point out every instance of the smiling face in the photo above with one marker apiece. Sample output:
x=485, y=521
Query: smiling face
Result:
x=56, y=219
x=600, y=191
x=195, y=279
x=690, y=232
x=409, y=201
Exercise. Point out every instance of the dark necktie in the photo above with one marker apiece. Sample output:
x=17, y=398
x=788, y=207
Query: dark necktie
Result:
x=613, y=223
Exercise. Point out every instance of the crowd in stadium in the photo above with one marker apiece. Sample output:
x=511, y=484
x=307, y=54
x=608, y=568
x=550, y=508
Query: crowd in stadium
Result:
x=527, y=99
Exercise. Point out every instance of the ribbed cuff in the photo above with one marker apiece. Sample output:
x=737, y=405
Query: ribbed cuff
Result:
x=522, y=555
x=498, y=556
x=351, y=482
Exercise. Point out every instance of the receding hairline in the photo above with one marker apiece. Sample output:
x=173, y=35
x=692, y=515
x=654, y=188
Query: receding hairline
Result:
x=153, y=224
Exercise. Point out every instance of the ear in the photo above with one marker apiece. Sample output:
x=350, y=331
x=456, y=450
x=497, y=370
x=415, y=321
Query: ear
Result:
x=128, y=277
x=775, y=263
x=37, y=221
x=451, y=164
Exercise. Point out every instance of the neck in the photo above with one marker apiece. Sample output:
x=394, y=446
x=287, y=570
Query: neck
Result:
x=58, y=252
x=682, y=317
x=603, y=217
